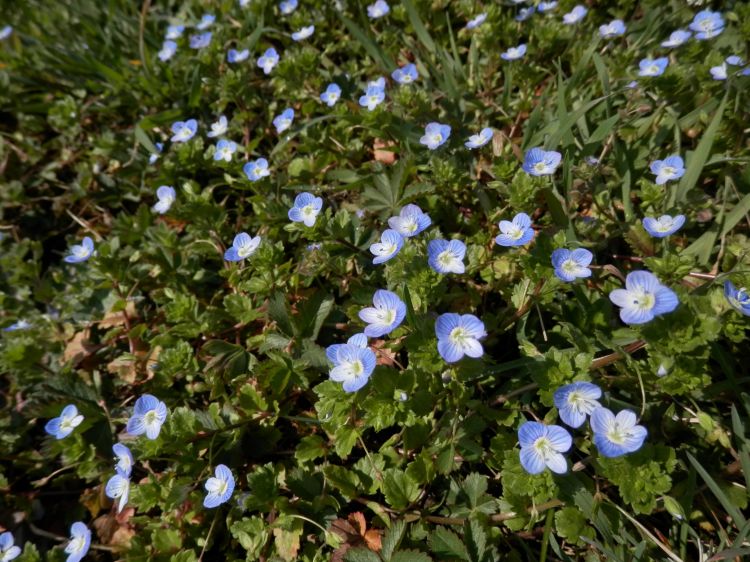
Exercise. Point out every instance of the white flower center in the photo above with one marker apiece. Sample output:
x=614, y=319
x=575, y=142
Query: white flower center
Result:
x=387, y=249
x=244, y=251
x=569, y=266
x=445, y=258
x=308, y=211
x=76, y=544
x=643, y=300
x=437, y=137
x=387, y=316
x=80, y=251
x=540, y=166
x=151, y=417
x=652, y=69
x=543, y=447
x=459, y=336
x=617, y=434
x=515, y=232
x=668, y=171
x=664, y=225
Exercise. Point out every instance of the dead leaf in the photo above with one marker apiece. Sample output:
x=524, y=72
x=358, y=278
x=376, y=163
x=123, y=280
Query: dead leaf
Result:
x=78, y=348
x=117, y=318
x=387, y=157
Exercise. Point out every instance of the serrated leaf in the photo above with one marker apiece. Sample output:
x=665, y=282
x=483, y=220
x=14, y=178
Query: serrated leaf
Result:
x=361, y=555
x=392, y=539
x=445, y=542
x=410, y=556
x=399, y=488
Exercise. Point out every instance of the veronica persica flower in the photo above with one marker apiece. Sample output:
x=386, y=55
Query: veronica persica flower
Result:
x=154, y=156
x=80, y=252
x=406, y=74
x=5, y=32
x=643, y=298
x=542, y=446
x=168, y=49
x=525, y=13
x=118, y=488
x=378, y=9
x=353, y=362
x=242, y=247
x=303, y=33
x=175, y=31
x=219, y=487
x=517, y=232
x=64, y=425
x=575, y=15
x=80, y=541
x=124, y=459
x=287, y=7
x=514, y=53
x=435, y=135
x=671, y=168
x=256, y=169
x=612, y=29
x=446, y=256
x=219, y=128
x=570, y=266
x=652, y=67
x=707, y=24
x=618, y=435
x=390, y=244
x=734, y=60
x=546, y=6
x=331, y=95
x=19, y=325
x=476, y=21
x=459, y=335
x=719, y=72
x=663, y=226
x=479, y=140
x=206, y=21
x=373, y=97
x=739, y=299
x=410, y=221
x=268, y=60
x=149, y=414
x=183, y=131
x=386, y=314
x=575, y=401
x=200, y=40
x=225, y=149
x=540, y=162
x=233, y=55
x=676, y=38
x=305, y=209
x=166, y=196
x=8, y=551
x=283, y=121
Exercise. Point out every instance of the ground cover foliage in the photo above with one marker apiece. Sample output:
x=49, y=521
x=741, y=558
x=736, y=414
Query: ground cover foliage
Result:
x=423, y=461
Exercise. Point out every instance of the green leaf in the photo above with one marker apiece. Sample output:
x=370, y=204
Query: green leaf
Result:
x=726, y=503
x=144, y=140
x=399, y=489
x=410, y=556
x=309, y=448
x=392, y=539
x=361, y=555
x=278, y=310
x=474, y=486
x=445, y=542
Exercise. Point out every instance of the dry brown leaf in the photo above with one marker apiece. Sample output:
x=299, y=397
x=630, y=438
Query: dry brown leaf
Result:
x=112, y=319
x=387, y=157
x=78, y=348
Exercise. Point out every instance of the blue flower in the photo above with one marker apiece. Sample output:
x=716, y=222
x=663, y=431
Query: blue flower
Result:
x=18, y=325
x=377, y=83
x=378, y=9
x=676, y=38
x=435, y=135
x=80, y=541
x=671, y=168
x=118, y=487
x=218, y=128
x=81, y=252
x=719, y=72
x=479, y=140
x=256, y=169
x=540, y=162
x=410, y=221
x=166, y=196
x=303, y=33
x=734, y=60
x=476, y=21
x=615, y=436
x=174, y=31
x=8, y=551
x=514, y=53
x=206, y=21
x=219, y=487
x=707, y=24
x=406, y=74
x=331, y=95
x=268, y=60
x=517, y=232
x=459, y=335
x=546, y=6
x=353, y=362
x=446, y=257
x=373, y=97
x=288, y=6
x=284, y=121
x=64, y=425
x=305, y=209
x=570, y=266
x=149, y=414
x=200, y=40
x=525, y=13
x=542, y=447
x=663, y=226
x=168, y=49
x=390, y=244
x=385, y=316
x=575, y=401
x=739, y=299
x=242, y=247
x=6, y=32
x=652, y=67
x=233, y=55
x=154, y=156
x=612, y=29
x=225, y=149
x=575, y=15
x=183, y=131
x=124, y=457
x=643, y=298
